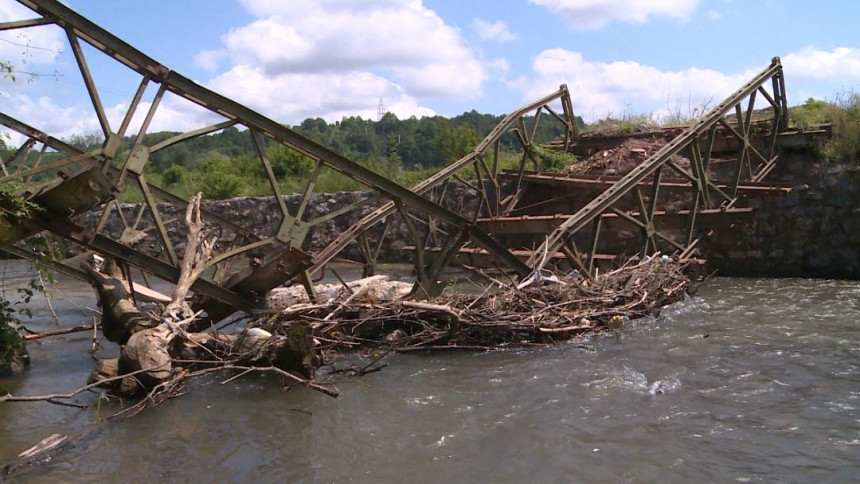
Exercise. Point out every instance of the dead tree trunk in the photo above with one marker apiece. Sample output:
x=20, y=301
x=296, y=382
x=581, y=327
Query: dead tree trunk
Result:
x=154, y=347
x=121, y=317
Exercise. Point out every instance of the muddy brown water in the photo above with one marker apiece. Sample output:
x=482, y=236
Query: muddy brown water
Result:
x=751, y=380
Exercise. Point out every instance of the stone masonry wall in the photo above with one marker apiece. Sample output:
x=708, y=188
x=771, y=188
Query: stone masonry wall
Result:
x=814, y=231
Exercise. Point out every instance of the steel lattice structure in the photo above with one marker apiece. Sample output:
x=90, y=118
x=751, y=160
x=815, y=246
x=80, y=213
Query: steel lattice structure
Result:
x=92, y=179
x=754, y=161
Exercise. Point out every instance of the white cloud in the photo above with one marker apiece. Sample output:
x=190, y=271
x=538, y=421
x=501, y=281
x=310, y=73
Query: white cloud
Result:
x=841, y=63
x=329, y=59
x=398, y=38
x=587, y=14
x=44, y=114
x=291, y=98
x=602, y=88
x=209, y=60
x=714, y=15
x=497, y=30
x=599, y=89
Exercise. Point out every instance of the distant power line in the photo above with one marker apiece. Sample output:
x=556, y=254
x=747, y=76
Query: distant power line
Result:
x=30, y=46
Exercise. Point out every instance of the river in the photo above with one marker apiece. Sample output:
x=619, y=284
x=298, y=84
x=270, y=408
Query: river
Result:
x=751, y=380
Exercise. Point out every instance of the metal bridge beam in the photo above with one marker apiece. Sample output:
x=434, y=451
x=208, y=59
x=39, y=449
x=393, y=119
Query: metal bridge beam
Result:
x=629, y=182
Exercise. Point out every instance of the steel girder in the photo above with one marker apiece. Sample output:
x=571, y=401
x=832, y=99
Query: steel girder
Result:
x=125, y=171
x=420, y=204
x=484, y=161
x=752, y=164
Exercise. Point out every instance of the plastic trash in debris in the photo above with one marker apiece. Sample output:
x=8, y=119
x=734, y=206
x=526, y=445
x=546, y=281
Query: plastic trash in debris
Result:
x=257, y=333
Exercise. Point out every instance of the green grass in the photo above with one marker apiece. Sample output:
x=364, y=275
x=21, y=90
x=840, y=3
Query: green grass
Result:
x=844, y=114
x=625, y=124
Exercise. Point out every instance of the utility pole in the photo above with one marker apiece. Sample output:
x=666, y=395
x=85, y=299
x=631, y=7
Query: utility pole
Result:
x=380, y=110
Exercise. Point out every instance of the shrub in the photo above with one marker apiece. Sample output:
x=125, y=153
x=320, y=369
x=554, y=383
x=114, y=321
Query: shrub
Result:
x=555, y=160
x=220, y=185
x=843, y=113
x=287, y=163
x=845, y=144
x=174, y=175
x=811, y=113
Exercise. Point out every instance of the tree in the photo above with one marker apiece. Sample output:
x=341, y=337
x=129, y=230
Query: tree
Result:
x=13, y=352
x=457, y=141
x=287, y=163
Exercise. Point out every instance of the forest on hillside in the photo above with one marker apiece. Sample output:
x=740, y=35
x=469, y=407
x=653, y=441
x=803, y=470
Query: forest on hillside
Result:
x=225, y=164
x=427, y=142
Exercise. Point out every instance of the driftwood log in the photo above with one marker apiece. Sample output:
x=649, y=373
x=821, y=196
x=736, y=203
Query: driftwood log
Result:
x=156, y=349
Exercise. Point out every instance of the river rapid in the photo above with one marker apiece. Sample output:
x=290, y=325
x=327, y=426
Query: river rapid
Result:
x=751, y=380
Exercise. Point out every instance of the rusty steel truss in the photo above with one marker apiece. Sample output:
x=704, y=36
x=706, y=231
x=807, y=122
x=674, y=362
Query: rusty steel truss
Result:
x=93, y=180
x=247, y=265
x=756, y=155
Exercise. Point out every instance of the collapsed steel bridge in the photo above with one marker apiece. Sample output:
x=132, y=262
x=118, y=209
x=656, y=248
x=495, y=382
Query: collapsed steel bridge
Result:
x=88, y=180
x=441, y=236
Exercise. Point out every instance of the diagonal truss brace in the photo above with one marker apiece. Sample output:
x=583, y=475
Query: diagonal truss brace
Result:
x=689, y=137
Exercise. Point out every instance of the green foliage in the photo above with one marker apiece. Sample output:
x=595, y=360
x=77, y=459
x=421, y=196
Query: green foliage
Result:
x=287, y=163
x=844, y=115
x=87, y=142
x=406, y=151
x=220, y=179
x=13, y=352
x=13, y=205
x=12, y=349
x=218, y=186
x=626, y=123
x=811, y=113
x=555, y=160
x=175, y=175
x=845, y=144
x=455, y=142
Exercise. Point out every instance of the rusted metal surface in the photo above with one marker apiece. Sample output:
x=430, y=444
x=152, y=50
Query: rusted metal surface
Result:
x=724, y=140
x=754, y=161
x=660, y=205
x=605, y=181
x=544, y=224
x=484, y=160
x=125, y=172
x=249, y=264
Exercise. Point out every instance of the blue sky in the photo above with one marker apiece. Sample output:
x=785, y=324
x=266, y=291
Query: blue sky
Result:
x=333, y=58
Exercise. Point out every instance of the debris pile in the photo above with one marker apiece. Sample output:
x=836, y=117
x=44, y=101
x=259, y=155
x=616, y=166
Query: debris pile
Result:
x=503, y=317
x=620, y=159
